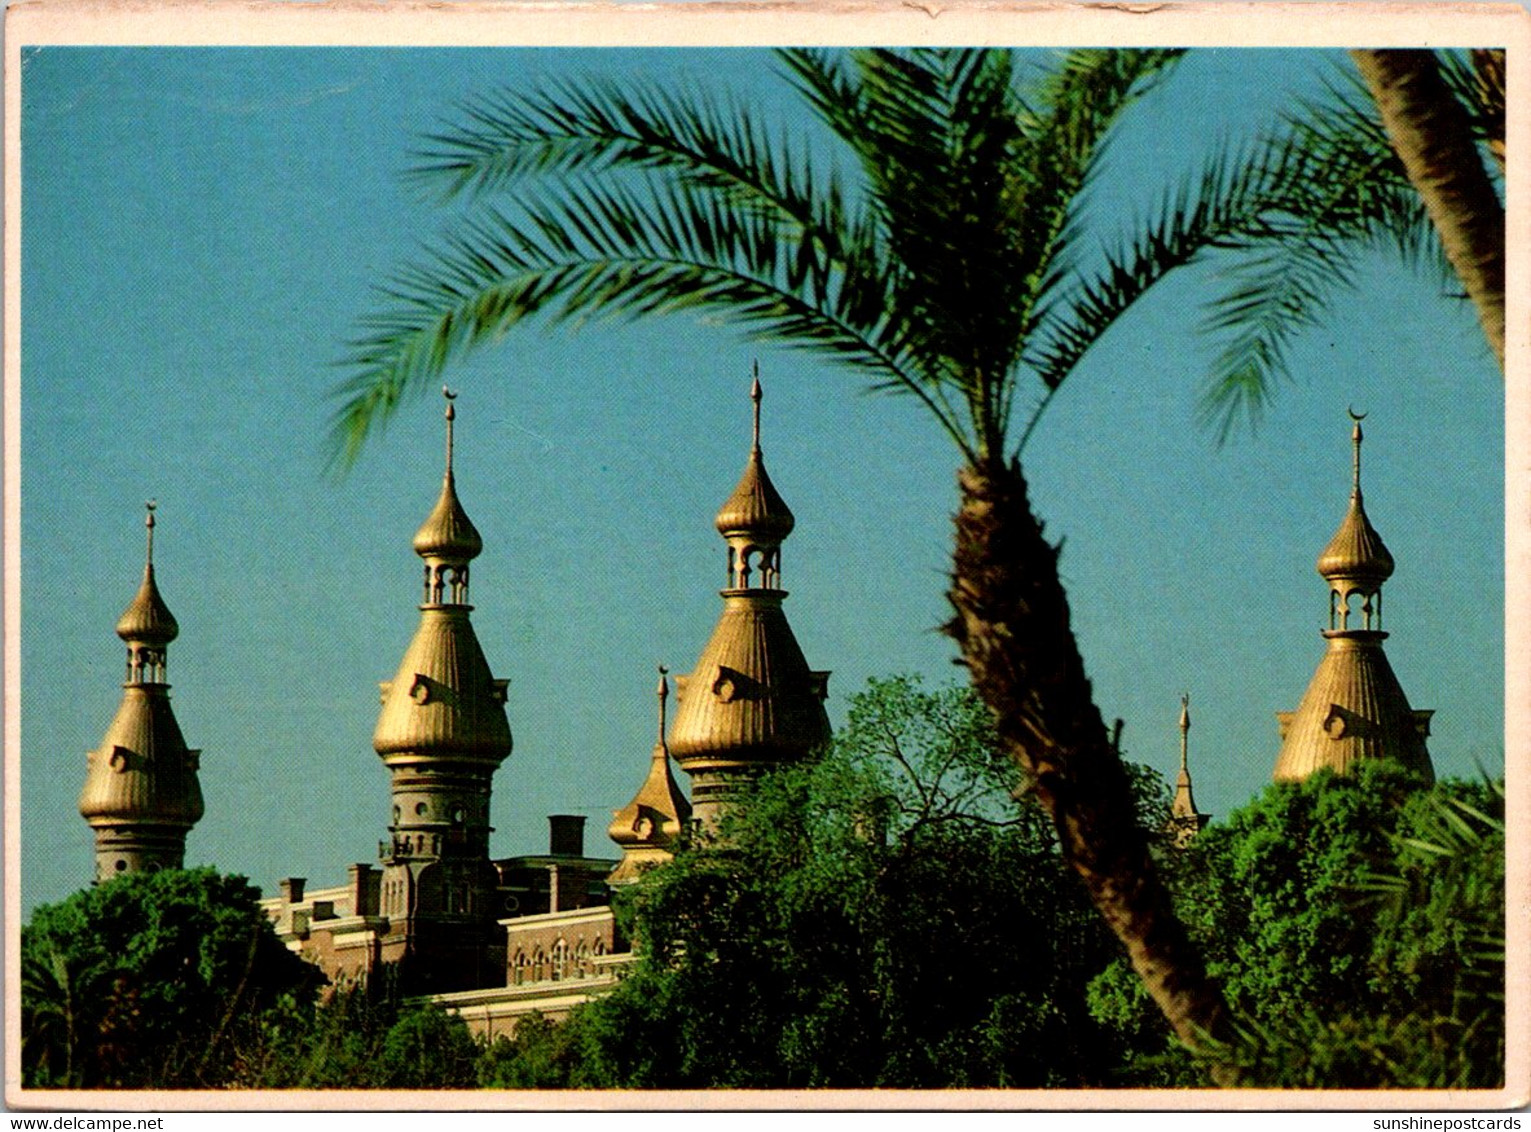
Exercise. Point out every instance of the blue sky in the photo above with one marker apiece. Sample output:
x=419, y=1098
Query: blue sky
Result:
x=201, y=232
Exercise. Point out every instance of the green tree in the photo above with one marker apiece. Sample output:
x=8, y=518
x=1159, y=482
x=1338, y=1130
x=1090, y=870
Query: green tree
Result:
x=1357, y=925
x=1406, y=153
x=156, y=980
x=428, y=1048
x=1275, y=890
x=889, y=916
x=542, y=1055
x=936, y=251
x=365, y=1037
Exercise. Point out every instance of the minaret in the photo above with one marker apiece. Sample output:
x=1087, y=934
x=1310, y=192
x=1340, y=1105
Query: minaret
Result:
x=1354, y=708
x=141, y=794
x=442, y=733
x=650, y=826
x=752, y=702
x=1186, y=821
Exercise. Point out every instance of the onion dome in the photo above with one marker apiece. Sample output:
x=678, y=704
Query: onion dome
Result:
x=755, y=510
x=142, y=771
x=649, y=827
x=443, y=702
x=752, y=699
x=1356, y=553
x=751, y=702
x=1354, y=708
x=141, y=793
x=447, y=532
x=147, y=619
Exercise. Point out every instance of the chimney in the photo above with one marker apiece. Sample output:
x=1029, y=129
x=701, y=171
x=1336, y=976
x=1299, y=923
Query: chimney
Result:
x=566, y=835
x=366, y=888
x=292, y=889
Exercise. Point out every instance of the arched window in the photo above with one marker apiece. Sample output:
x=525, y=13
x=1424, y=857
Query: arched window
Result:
x=518, y=968
x=560, y=960
x=1347, y=609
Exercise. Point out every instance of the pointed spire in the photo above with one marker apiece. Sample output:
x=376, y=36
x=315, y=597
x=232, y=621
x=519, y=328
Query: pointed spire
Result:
x=141, y=793
x=754, y=518
x=447, y=540
x=1186, y=821
x=649, y=827
x=1356, y=561
x=751, y=702
x=663, y=693
x=444, y=701
x=755, y=396
x=147, y=621
x=1355, y=462
x=442, y=732
x=1354, y=708
x=1185, y=732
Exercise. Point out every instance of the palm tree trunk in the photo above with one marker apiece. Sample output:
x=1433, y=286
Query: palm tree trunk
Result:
x=1012, y=624
x=1432, y=137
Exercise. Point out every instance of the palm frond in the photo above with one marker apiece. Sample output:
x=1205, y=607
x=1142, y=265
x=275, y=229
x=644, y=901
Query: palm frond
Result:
x=1076, y=103
x=931, y=131
x=1343, y=190
x=1477, y=81
x=932, y=250
x=621, y=250
x=1225, y=204
x=1066, y=138
x=825, y=81
x=598, y=127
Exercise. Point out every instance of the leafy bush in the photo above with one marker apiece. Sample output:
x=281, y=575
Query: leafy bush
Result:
x=155, y=980
x=1357, y=925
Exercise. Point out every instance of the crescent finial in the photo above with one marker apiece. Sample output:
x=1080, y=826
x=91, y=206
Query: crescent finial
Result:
x=755, y=397
x=1355, y=444
x=451, y=416
x=663, y=692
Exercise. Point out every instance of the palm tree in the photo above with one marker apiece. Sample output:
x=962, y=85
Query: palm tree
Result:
x=68, y=1004
x=1432, y=134
x=1395, y=157
x=50, y=1021
x=935, y=251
